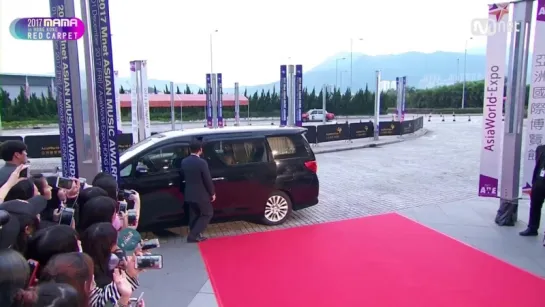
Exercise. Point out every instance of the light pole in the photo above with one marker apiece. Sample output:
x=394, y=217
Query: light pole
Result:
x=457, y=70
x=212, y=52
x=351, y=57
x=465, y=67
x=337, y=70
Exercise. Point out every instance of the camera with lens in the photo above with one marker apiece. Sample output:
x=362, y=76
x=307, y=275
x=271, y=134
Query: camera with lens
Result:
x=132, y=217
x=150, y=244
x=67, y=216
x=149, y=262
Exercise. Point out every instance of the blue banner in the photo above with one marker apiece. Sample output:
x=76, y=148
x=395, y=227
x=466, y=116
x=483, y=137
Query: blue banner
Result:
x=65, y=105
x=299, y=95
x=283, y=95
x=104, y=86
x=403, y=93
x=209, y=119
x=219, y=89
x=398, y=98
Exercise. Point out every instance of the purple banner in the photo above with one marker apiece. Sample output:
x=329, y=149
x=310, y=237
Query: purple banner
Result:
x=209, y=119
x=104, y=86
x=219, y=88
x=283, y=95
x=299, y=95
x=403, y=95
x=65, y=105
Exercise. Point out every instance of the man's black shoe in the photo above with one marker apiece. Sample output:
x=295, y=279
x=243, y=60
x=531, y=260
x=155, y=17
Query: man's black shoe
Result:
x=528, y=233
x=197, y=240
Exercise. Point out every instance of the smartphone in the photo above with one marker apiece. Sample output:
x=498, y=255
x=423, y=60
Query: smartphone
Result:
x=150, y=244
x=64, y=183
x=33, y=265
x=67, y=216
x=123, y=207
x=24, y=173
x=132, y=217
x=149, y=262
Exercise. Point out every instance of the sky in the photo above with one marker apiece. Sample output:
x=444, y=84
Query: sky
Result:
x=253, y=37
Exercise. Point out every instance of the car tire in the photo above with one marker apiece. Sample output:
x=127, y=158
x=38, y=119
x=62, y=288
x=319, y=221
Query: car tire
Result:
x=277, y=209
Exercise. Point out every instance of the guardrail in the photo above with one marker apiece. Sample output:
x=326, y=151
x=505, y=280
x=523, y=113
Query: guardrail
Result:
x=48, y=146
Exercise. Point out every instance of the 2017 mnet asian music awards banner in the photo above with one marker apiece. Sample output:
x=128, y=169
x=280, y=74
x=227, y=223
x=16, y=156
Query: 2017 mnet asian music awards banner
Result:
x=535, y=133
x=496, y=50
x=209, y=119
x=283, y=95
x=299, y=95
x=219, y=109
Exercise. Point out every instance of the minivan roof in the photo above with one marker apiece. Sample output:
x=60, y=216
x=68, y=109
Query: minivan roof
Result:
x=265, y=130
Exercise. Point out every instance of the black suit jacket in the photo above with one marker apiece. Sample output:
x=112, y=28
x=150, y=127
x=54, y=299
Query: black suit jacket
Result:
x=540, y=163
x=199, y=186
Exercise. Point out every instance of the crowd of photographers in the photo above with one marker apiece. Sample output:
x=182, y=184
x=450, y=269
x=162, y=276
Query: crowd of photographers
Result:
x=59, y=239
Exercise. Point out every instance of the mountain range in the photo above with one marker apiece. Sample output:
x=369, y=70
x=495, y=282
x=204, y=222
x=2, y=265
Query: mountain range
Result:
x=423, y=70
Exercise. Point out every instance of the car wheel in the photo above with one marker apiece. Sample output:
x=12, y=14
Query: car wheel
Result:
x=277, y=209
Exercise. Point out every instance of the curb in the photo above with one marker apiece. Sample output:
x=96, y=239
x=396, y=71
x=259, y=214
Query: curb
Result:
x=373, y=145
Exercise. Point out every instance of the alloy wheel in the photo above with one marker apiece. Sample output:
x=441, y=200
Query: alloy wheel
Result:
x=276, y=208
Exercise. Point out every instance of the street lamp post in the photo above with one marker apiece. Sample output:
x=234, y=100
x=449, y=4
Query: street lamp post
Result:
x=464, y=81
x=351, y=58
x=211, y=62
x=337, y=71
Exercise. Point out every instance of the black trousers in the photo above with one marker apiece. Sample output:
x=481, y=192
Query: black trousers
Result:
x=536, y=204
x=200, y=215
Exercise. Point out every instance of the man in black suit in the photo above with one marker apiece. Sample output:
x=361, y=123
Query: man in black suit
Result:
x=537, y=195
x=198, y=192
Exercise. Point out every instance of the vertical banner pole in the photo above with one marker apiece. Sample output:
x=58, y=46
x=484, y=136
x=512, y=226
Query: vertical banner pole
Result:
x=324, y=102
x=514, y=112
x=69, y=101
x=299, y=96
x=140, y=94
x=118, y=104
x=208, y=107
x=398, y=100
x=134, y=104
x=219, y=100
x=105, y=86
x=376, y=131
x=403, y=96
x=291, y=97
x=145, y=98
x=283, y=96
x=215, y=100
x=172, y=115
x=535, y=132
x=496, y=51
x=182, y=114
x=237, y=105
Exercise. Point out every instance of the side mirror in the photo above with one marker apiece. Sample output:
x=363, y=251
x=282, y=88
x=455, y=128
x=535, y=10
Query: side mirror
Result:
x=141, y=170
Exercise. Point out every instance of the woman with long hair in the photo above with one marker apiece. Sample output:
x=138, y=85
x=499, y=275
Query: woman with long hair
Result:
x=98, y=209
x=113, y=284
x=75, y=269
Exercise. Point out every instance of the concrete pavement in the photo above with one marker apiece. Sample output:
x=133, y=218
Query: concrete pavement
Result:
x=431, y=179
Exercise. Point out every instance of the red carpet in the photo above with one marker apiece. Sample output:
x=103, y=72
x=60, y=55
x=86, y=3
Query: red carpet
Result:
x=379, y=261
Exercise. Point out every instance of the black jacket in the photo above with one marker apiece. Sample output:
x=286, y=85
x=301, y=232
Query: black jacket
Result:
x=540, y=163
x=199, y=186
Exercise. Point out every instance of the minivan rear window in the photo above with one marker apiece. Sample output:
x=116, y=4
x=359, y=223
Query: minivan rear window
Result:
x=285, y=147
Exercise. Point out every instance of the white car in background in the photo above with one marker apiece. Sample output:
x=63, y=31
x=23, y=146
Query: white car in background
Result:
x=317, y=115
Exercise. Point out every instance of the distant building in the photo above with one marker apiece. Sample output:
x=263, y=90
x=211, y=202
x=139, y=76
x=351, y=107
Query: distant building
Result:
x=12, y=84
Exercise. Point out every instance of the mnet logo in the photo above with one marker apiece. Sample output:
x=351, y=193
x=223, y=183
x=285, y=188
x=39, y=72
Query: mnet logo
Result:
x=487, y=27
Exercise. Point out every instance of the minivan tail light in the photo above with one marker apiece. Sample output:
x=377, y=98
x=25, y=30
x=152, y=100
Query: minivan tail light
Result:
x=312, y=166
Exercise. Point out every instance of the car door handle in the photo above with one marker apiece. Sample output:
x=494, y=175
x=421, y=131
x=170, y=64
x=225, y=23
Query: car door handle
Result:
x=170, y=183
x=218, y=178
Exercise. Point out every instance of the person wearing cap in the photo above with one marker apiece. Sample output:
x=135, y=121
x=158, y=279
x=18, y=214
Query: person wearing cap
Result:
x=27, y=214
x=14, y=153
x=9, y=230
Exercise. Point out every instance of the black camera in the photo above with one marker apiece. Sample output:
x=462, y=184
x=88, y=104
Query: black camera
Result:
x=132, y=217
x=150, y=244
x=67, y=216
x=149, y=262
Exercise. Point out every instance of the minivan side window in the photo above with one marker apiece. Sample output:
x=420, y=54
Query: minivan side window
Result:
x=164, y=159
x=285, y=147
x=234, y=153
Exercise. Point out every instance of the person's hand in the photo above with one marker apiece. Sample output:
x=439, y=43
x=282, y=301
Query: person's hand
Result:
x=135, y=196
x=61, y=194
x=122, y=284
x=130, y=268
x=124, y=218
x=14, y=177
x=57, y=214
x=140, y=303
x=213, y=197
x=74, y=190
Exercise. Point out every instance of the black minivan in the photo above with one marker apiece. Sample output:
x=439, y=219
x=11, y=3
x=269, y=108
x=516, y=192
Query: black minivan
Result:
x=264, y=172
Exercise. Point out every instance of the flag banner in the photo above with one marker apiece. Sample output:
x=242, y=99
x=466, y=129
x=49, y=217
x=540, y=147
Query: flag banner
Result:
x=535, y=129
x=403, y=96
x=219, y=100
x=299, y=95
x=237, y=103
x=209, y=119
x=398, y=96
x=496, y=51
x=134, y=103
x=63, y=95
x=105, y=86
x=145, y=98
x=118, y=104
x=283, y=95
